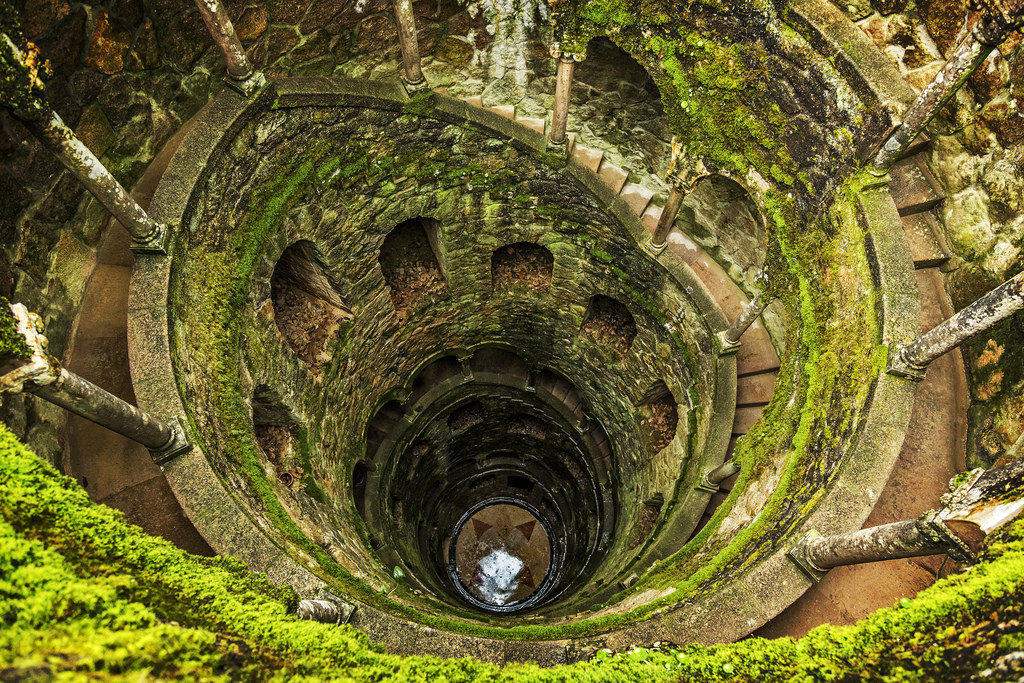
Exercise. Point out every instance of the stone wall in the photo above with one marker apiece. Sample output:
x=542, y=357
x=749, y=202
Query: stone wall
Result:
x=977, y=155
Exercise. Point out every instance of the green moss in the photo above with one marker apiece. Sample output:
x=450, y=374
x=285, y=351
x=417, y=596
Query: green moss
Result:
x=86, y=595
x=13, y=346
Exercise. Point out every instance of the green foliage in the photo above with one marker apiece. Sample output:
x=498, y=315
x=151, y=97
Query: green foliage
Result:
x=84, y=594
x=13, y=346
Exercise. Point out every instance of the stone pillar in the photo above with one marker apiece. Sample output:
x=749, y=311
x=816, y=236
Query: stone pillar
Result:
x=413, y=74
x=995, y=25
x=242, y=76
x=563, y=88
x=978, y=505
x=667, y=219
x=326, y=609
x=711, y=481
x=730, y=338
x=43, y=376
x=53, y=133
x=911, y=360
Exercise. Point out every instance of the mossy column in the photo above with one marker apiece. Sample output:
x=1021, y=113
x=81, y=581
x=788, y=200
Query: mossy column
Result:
x=21, y=90
x=412, y=76
x=563, y=88
x=712, y=480
x=995, y=25
x=911, y=360
x=730, y=338
x=242, y=76
x=43, y=376
x=667, y=219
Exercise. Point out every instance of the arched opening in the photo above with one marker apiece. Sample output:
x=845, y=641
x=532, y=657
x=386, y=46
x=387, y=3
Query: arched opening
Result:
x=359, y=475
x=523, y=264
x=660, y=417
x=466, y=416
x=727, y=221
x=610, y=323
x=411, y=262
x=308, y=309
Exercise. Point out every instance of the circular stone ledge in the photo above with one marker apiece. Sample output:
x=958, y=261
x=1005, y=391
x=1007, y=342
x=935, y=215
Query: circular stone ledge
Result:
x=736, y=607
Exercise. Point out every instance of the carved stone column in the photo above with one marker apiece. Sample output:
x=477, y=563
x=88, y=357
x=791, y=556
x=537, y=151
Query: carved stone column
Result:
x=999, y=18
x=983, y=502
x=911, y=360
x=730, y=338
x=242, y=76
x=53, y=133
x=712, y=480
x=412, y=76
x=43, y=376
x=563, y=89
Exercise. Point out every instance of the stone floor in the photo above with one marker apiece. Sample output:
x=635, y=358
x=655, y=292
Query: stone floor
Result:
x=502, y=554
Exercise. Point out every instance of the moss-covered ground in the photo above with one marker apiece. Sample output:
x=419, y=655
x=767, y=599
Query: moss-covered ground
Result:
x=84, y=595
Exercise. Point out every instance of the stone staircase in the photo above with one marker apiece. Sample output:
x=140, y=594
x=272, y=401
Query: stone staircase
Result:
x=757, y=362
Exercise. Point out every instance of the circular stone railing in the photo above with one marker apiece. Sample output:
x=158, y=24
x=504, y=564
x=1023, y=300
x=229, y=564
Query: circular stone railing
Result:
x=735, y=607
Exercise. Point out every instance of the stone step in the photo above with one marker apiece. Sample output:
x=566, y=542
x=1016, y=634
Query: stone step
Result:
x=920, y=143
x=612, y=176
x=475, y=101
x=651, y=216
x=926, y=247
x=637, y=196
x=913, y=187
x=745, y=418
x=587, y=156
x=755, y=390
x=506, y=110
x=537, y=124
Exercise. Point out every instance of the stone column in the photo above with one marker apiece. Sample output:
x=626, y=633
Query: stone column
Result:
x=995, y=25
x=326, y=609
x=730, y=338
x=711, y=481
x=43, y=376
x=242, y=76
x=53, y=133
x=978, y=505
x=911, y=360
x=667, y=219
x=563, y=88
x=413, y=74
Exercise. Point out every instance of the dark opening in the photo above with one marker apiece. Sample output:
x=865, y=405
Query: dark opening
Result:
x=522, y=264
x=308, y=309
x=411, y=264
x=660, y=417
x=610, y=323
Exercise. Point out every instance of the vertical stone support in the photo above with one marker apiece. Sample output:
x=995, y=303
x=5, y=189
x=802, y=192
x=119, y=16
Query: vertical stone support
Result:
x=43, y=376
x=21, y=94
x=730, y=338
x=996, y=23
x=712, y=480
x=911, y=360
x=979, y=503
x=147, y=234
x=563, y=88
x=886, y=542
x=412, y=76
x=242, y=76
x=667, y=219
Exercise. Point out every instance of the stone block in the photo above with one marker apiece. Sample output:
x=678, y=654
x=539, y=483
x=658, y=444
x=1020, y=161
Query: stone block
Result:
x=922, y=230
x=637, y=196
x=537, y=124
x=913, y=187
x=755, y=389
x=612, y=176
x=651, y=216
x=506, y=110
x=587, y=156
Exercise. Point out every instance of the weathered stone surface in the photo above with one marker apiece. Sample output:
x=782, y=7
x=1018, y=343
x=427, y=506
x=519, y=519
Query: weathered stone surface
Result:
x=108, y=45
x=94, y=130
x=252, y=23
x=186, y=38
x=376, y=33
x=39, y=15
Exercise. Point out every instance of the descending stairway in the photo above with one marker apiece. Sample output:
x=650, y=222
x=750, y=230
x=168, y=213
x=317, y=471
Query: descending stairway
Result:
x=935, y=442
x=757, y=362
